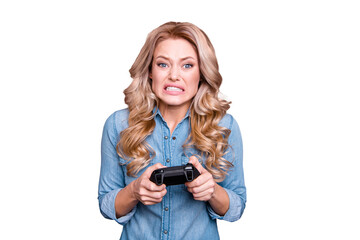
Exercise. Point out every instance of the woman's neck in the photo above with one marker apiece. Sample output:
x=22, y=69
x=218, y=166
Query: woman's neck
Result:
x=173, y=115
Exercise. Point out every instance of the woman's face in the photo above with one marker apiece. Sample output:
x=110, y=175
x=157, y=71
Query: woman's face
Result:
x=175, y=73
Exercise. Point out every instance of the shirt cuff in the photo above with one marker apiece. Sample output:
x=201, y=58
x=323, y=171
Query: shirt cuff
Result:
x=107, y=207
x=233, y=213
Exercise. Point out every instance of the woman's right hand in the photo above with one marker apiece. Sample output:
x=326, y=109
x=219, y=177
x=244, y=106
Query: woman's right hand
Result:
x=146, y=191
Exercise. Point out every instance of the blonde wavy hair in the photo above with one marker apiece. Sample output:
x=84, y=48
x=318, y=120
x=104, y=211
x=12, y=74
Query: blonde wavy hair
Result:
x=206, y=110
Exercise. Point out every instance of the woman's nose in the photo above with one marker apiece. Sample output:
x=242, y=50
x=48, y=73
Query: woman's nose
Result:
x=174, y=74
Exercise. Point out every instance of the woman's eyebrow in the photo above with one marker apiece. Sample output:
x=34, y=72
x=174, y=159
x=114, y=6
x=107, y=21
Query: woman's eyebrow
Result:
x=161, y=56
x=182, y=59
x=185, y=58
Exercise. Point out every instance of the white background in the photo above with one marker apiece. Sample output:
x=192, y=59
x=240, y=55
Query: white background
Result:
x=291, y=69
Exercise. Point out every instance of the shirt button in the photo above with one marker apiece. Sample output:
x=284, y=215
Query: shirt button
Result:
x=165, y=232
x=166, y=137
x=167, y=160
x=174, y=138
x=166, y=209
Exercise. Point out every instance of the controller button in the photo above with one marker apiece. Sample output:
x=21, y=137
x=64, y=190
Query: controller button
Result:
x=158, y=178
x=189, y=175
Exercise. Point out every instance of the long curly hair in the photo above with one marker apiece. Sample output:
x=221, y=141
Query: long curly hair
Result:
x=206, y=109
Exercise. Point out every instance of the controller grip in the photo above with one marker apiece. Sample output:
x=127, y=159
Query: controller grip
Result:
x=174, y=175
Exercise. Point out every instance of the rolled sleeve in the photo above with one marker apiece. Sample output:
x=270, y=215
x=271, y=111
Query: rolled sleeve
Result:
x=111, y=174
x=235, y=210
x=107, y=208
x=234, y=183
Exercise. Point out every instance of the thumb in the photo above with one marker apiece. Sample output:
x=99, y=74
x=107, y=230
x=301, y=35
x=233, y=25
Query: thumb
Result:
x=150, y=169
x=194, y=161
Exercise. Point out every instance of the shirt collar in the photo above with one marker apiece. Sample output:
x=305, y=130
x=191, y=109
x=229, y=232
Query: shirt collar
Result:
x=157, y=112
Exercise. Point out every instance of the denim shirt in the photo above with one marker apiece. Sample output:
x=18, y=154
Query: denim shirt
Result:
x=178, y=216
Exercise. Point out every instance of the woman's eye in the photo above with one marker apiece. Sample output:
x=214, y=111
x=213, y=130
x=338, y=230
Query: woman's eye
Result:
x=162, y=65
x=188, y=66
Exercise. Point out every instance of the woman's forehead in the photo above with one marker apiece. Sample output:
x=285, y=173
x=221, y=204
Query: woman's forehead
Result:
x=178, y=48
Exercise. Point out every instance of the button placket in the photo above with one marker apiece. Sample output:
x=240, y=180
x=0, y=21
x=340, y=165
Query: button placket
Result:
x=166, y=199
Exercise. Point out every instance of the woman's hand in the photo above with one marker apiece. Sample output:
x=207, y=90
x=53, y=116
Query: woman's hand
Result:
x=203, y=187
x=146, y=191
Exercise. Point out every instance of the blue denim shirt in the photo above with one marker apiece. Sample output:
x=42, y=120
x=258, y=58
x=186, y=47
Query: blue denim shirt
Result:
x=178, y=216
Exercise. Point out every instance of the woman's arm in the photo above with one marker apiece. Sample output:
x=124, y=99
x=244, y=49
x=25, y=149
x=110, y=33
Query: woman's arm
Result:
x=233, y=184
x=227, y=199
x=141, y=189
x=220, y=201
x=124, y=202
x=116, y=198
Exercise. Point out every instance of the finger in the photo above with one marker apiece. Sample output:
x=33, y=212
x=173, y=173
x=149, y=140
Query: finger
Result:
x=146, y=194
x=150, y=169
x=206, y=187
x=150, y=201
x=203, y=195
x=200, y=180
x=152, y=187
x=204, y=198
x=194, y=161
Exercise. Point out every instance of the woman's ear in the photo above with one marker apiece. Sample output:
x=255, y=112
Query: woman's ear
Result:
x=200, y=82
x=150, y=78
x=150, y=71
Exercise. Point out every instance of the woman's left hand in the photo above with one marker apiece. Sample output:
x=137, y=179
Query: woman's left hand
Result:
x=203, y=187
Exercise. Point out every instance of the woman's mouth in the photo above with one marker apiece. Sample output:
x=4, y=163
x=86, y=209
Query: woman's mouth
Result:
x=174, y=89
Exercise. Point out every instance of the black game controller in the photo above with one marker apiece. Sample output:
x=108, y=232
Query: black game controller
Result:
x=174, y=175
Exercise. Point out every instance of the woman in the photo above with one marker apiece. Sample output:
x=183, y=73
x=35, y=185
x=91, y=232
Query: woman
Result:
x=174, y=116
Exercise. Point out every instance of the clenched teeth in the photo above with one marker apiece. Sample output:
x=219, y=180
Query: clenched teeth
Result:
x=174, y=89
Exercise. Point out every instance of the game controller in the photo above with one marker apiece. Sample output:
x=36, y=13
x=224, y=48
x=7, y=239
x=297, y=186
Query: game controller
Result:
x=174, y=175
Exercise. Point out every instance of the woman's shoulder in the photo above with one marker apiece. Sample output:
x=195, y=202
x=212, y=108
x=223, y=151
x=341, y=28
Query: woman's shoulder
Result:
x=118, y=120
x=228, y=121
